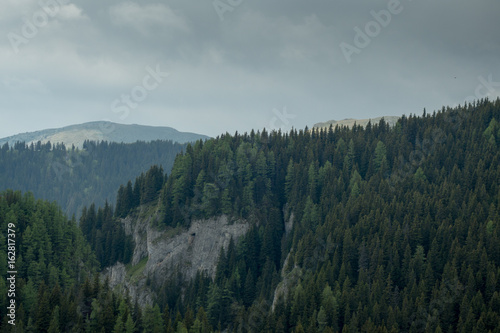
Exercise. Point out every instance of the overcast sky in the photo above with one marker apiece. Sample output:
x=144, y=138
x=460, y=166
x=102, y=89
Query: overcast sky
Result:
x=233, y=65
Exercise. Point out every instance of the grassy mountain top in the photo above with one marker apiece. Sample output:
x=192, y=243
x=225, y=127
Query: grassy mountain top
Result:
x=103, y=131
x=391, y=120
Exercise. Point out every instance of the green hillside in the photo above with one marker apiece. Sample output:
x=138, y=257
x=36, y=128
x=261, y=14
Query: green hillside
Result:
x=394, y=229
x=363, y=229
x=78, y=177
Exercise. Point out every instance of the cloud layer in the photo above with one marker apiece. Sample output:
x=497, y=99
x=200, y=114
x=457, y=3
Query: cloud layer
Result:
x=234, y=64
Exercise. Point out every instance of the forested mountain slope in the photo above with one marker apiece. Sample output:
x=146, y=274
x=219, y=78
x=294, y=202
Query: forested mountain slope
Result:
x=78, y=177
x=56, y=287
x=356, y=230
x=374, y=229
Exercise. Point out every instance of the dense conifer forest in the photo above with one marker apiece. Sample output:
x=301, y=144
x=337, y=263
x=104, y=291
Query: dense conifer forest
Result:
x=78, y=177
x=58, y=287
x=374, y=229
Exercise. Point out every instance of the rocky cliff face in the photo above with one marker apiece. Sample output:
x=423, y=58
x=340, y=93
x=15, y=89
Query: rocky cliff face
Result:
x=158, y=253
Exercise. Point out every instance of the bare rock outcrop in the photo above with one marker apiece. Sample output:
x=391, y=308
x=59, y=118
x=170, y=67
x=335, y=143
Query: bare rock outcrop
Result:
x=185, y=251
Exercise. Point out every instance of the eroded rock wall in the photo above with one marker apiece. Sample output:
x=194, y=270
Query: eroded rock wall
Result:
x=166, y=251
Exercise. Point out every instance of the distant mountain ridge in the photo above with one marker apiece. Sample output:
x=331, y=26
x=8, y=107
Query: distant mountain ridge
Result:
x=103, y=131
x=391, y=120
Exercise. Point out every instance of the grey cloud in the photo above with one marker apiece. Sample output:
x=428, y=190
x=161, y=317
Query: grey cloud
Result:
x=229, y=75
